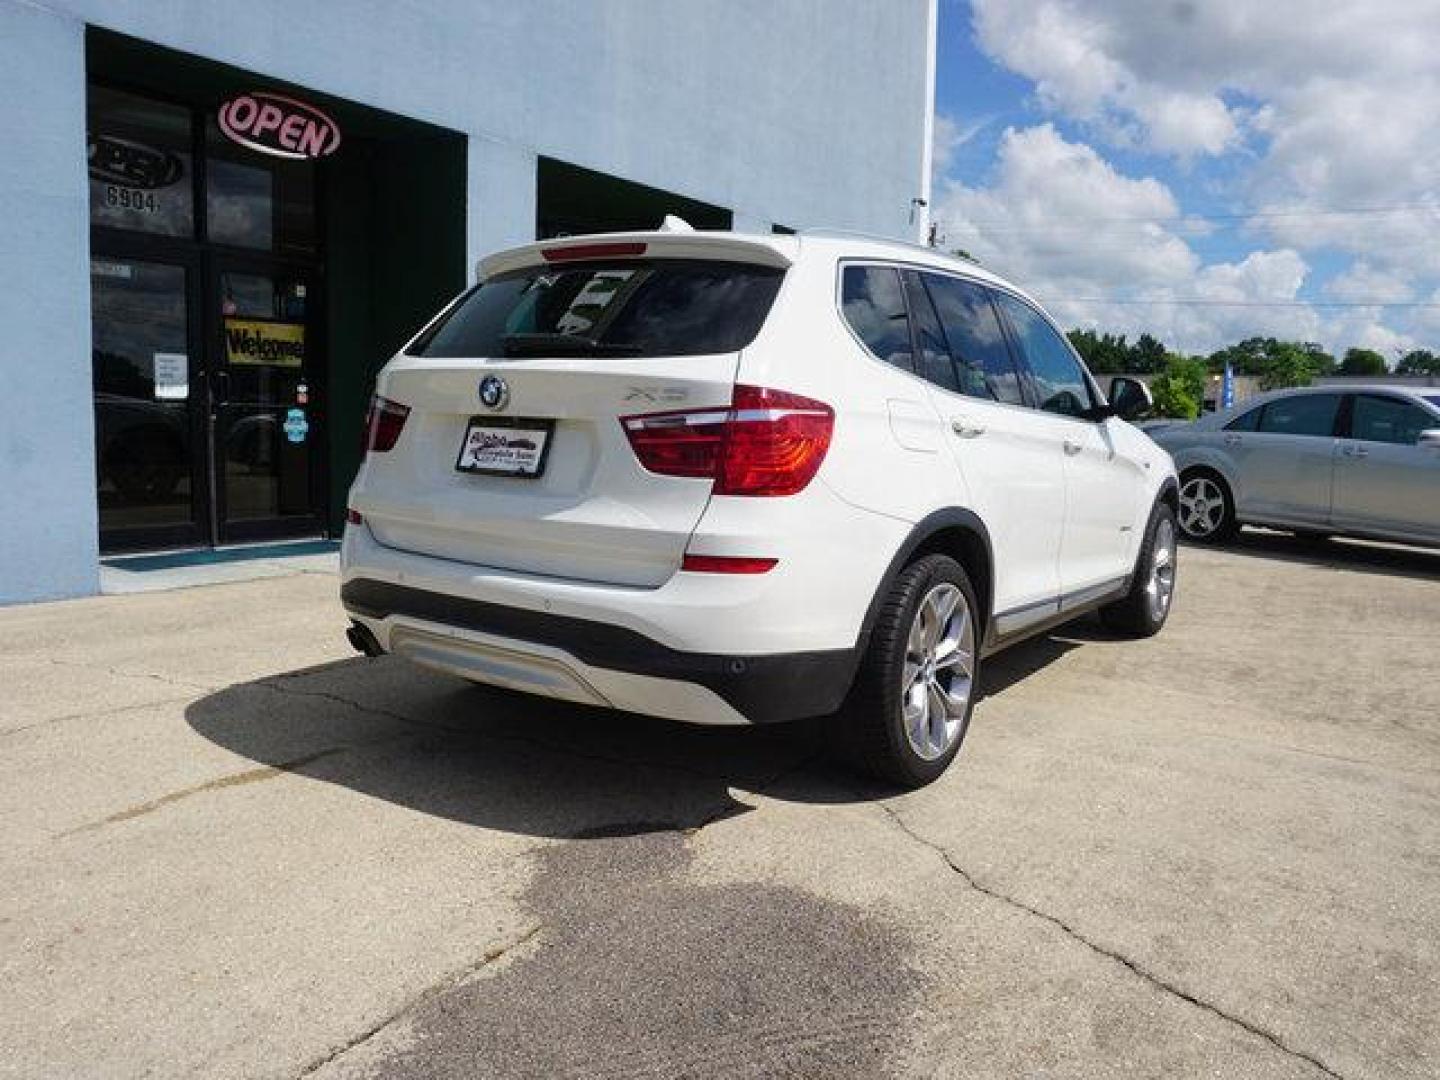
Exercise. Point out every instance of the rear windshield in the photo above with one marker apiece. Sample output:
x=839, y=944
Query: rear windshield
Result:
x=638, y=307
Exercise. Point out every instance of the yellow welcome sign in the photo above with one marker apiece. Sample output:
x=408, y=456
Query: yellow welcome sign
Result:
x=259, y=341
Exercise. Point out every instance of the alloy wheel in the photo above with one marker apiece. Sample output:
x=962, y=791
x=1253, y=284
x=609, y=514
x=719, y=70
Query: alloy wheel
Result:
x=1160, y=586
x=1202, y=506
x=939, y=671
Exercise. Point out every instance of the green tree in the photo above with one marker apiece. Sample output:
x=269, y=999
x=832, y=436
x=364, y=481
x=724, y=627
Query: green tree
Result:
x=1103, y=354
x=1276, y=363
x=1362, y=362
x=1179, y=390
x=1287, y=365
x=1147, y=356
x=1418, y=362
x=1321, y=362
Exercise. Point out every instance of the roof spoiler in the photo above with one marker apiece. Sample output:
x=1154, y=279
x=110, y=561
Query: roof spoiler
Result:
x=777, y=251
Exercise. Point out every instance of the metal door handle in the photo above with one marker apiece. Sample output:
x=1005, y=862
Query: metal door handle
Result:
x=965, y=429
x=1232, y=440
x=1355, y=451
x=1072, y=447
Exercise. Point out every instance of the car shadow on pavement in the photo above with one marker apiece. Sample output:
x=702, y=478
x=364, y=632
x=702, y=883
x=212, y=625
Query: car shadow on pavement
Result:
x=526, y=765
x=1391, y=560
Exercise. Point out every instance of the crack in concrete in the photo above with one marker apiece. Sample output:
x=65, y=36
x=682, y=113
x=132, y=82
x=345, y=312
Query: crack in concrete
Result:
x=270, y=772
x=508, y=737
x=167, y=680
x=249, y=776
x=1133, y=966
x=443, y=986
x=93, y=714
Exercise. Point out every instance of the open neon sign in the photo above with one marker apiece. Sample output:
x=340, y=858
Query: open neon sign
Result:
x=278, y=125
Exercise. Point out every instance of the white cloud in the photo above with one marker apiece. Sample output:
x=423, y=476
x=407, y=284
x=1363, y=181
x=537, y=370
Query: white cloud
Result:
x=949, y=136
x=1109, y=251
x=1026, y=222
x=1081, y=68
x=1342, y=113
x=1327, y=114
x=1363, y=281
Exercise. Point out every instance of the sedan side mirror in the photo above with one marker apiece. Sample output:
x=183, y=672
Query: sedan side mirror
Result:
x=1429, y=438
x=1129, y=398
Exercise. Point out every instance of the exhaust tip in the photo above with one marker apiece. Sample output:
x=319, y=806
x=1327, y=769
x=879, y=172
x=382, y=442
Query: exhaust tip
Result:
x=363, y=640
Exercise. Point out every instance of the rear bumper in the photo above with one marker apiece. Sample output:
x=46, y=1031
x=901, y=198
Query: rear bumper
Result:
x=595, y=663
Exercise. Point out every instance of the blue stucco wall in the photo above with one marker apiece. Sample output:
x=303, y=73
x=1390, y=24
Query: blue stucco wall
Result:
x=48, y=542
x=805, y=112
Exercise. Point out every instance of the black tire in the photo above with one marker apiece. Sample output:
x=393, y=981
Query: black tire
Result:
x=871, y=723
x=1144, y=609
x=1216, y=530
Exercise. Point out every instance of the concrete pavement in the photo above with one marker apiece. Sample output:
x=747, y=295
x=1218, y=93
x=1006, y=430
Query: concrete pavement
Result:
x=233, y=849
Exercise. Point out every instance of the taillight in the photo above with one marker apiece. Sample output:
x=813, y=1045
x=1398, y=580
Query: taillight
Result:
x=575, y=252
x=769, y=442
x=383, y=422
x=726, y=564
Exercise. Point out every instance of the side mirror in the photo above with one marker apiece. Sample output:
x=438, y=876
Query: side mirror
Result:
x=1129, y=398
x=1429, y=438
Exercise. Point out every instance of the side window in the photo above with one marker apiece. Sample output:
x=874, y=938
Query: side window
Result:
x=986, y=369
x=1245, y=421
x=1388, y=420
x=1060, y=382
x=1302, y=414
x=934, y=357
x=874, y=306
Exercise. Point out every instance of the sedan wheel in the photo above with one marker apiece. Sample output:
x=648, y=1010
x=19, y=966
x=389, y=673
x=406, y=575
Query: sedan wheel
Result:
x=1204, y=508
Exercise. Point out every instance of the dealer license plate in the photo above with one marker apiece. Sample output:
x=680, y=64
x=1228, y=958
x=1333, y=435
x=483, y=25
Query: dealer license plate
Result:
x=498, y=447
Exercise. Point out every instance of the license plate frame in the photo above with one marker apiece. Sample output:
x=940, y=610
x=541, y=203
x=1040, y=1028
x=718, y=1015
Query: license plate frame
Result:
x=526, y=468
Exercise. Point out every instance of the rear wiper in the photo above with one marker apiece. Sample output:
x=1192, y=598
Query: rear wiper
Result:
x=564, y=345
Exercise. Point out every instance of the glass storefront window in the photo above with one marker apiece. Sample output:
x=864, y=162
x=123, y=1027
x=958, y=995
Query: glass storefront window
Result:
x=138, y=151
x=142, y=393
x=264, y=430
x=257, y=202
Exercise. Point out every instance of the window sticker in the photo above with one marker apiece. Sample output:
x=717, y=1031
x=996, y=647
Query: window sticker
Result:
x=260, y=341
x=172, y=376
x=296, y=425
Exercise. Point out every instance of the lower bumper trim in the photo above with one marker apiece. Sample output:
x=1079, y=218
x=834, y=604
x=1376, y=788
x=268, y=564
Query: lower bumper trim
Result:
x=763, y=689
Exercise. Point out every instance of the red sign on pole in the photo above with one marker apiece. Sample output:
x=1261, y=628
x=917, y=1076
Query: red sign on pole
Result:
x=279, y=125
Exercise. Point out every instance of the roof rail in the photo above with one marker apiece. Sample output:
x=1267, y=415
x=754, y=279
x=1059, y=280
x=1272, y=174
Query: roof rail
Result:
x=858, y=234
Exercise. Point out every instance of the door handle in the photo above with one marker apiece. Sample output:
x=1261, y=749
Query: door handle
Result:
x=1233, y=440
x=966, y=430
x=1072, y=447
x=1355, y=451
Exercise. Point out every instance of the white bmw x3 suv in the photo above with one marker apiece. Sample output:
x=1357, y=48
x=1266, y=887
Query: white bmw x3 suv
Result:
x=736, y=479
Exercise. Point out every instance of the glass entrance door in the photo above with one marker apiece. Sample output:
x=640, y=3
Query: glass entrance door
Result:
x=266, y=416
x=150, y=447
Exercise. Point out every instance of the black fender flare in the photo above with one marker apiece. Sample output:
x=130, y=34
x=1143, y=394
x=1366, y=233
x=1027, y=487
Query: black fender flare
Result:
x=923, y=530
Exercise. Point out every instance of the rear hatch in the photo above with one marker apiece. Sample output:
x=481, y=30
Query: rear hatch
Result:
x=513, y=454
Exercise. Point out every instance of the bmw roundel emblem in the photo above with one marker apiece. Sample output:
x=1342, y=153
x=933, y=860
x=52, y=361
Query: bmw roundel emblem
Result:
x=494, y=392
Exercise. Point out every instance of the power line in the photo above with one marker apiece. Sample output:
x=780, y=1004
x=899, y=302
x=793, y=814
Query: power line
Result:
x=1182, y=218
x=1197, y=301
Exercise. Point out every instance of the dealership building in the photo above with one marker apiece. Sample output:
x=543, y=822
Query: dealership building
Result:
x=221, y=219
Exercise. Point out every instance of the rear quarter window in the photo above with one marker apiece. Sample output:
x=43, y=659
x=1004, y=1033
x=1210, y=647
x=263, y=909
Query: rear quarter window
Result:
x=635, y=307
x=873, y=303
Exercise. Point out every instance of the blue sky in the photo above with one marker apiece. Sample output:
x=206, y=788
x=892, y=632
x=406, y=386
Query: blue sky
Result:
x=1206, y=172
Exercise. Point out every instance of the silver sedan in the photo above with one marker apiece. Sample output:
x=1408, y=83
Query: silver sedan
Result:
x=1356, y=461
